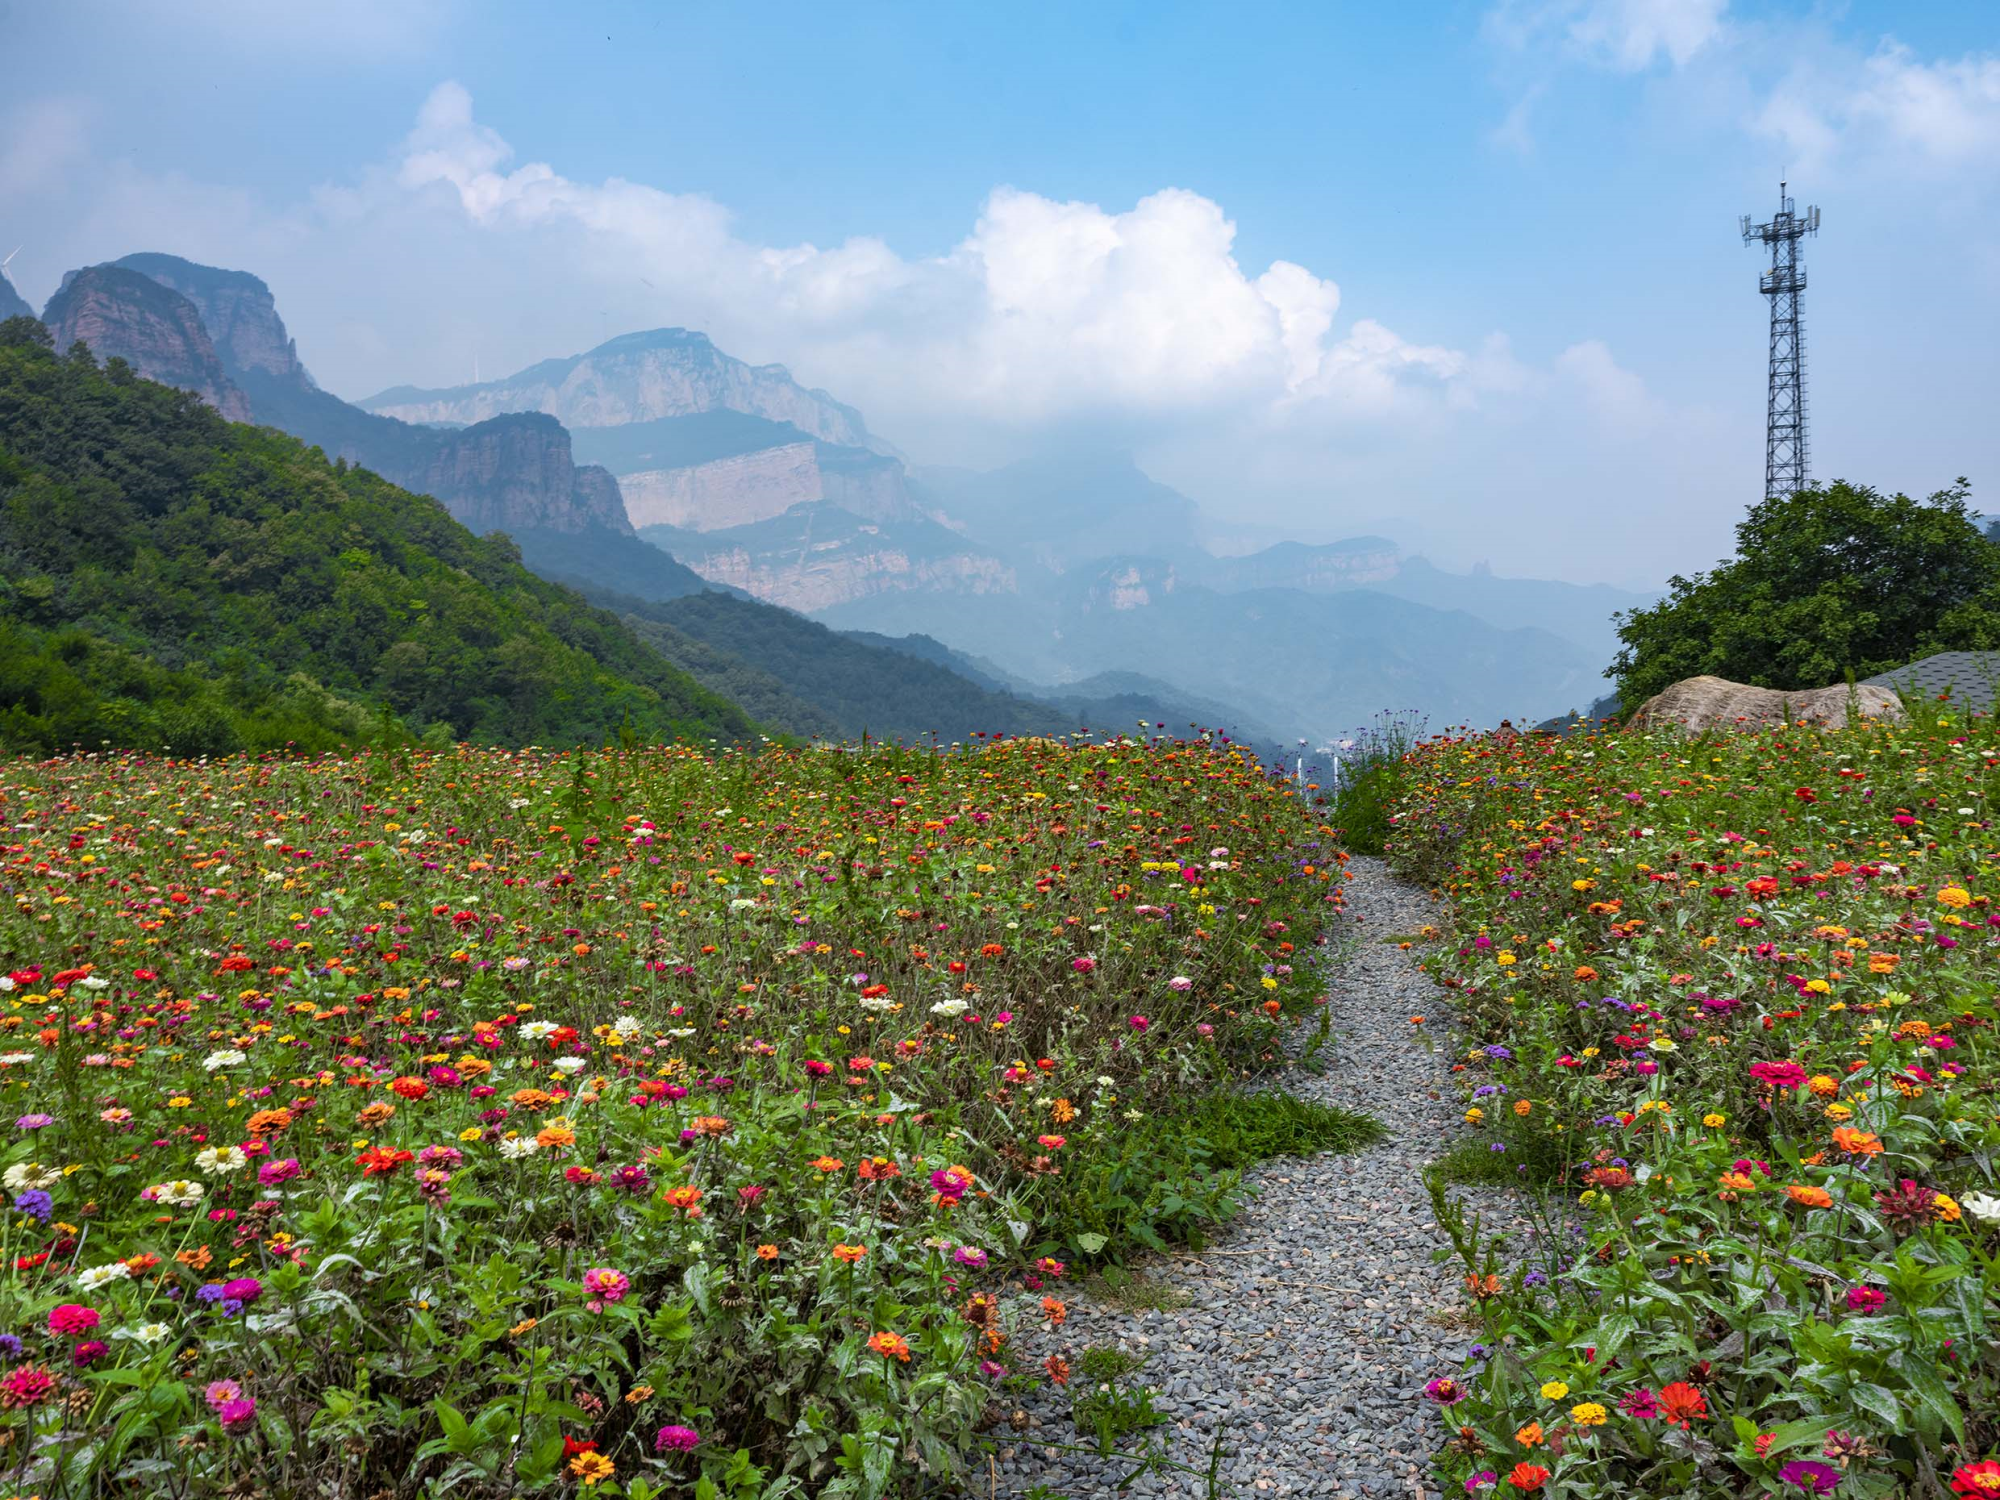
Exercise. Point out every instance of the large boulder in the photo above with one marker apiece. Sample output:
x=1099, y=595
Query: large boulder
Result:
x=1698, y=703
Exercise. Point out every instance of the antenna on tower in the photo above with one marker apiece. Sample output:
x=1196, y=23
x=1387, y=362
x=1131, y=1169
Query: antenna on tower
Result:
x=1786, y=466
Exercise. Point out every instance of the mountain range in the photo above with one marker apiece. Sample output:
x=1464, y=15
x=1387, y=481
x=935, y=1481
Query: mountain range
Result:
x=656, y=467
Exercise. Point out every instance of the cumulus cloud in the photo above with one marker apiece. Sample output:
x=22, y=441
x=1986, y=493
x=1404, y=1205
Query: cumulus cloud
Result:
x=1044, y=310
x=1943, y=113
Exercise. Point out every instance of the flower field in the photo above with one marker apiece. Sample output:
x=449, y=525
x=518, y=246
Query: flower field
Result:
x=1732, y=1000
x=635, y=1123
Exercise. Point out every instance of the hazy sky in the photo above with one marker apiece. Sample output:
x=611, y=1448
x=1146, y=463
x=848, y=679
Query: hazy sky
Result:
x=1466, y=272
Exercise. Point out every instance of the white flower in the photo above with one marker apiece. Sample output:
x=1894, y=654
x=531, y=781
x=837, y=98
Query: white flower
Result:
x=180, y=1193
x=625, y=1028
x=1220, y=852
x=16, y=1057
x=949, y=1008
x=1663, y=1044
x=742, y=903
x=681, y=1031
x=518, y=802
x=1983, y=1207
x=877, y=1003
x=6, y=983
x=92, y=982
x=24, y=1175
x=145, y=1333
x=98, y=1276
x=534, y=1031
x=570, y=1065
x=219, y=1161
x=1105, y=1080
x=229, y=1057
x=520, y=1148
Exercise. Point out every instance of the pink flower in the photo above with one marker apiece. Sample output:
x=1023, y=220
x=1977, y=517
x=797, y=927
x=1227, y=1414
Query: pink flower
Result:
x=675, y=1439
x=1864, y=1299
x=71, y=1318
x=274, y=1172
x=218, y=1392
x=605, y=1284
x=1083, y=965
x=1140, y=1023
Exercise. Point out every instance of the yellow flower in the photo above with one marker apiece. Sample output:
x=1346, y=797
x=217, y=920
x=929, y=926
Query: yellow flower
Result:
x=1715, y=1122
x=1954, y=896
x=1555, y=1390
x=1505, y=960
x=1946, y=1208
x=592, y=1467
x=1587, y=1414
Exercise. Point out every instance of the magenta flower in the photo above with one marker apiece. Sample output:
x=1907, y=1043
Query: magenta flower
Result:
x=71, y=1318
x=1864, y=1299
x=676, y=1439
x=1140, y=1023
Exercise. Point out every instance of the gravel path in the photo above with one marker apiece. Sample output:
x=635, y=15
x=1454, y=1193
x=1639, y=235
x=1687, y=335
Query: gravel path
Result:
x=1315, y=1320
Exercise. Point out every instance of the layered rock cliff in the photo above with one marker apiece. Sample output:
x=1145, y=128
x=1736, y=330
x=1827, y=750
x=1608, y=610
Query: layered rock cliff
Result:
x=218, y=332
x=122, y=314
x=238, y=311
x=638, y=377
x=817, y=555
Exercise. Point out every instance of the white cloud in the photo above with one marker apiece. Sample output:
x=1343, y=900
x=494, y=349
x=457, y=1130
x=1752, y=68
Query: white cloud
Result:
x=1616, y=396
x=39, y=141
x=1627, y=36
x=1890, y=105
x=1046, y=310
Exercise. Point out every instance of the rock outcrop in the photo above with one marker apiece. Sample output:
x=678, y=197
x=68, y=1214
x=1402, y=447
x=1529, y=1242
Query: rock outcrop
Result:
x=512, y=473
x=1296, y=565
x=1699, y=703
x=213, y=330
x=123, y=314
x=238, y=311
x=12, y=303
x=637, y=377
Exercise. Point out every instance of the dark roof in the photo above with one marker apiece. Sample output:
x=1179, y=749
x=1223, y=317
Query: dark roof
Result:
x=1970, y=676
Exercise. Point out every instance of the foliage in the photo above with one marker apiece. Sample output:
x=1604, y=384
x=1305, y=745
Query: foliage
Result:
x=1368, y=779
x=170, y=579
x=1829, y=581
x=1734, y=997
x=500, y=1121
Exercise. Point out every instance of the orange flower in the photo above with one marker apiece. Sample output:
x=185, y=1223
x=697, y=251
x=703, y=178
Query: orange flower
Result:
x=878, y=1169
x=849, y=1253
x=1530, y=1435
x=1055, y=1310
x=1809, y=1197
x=1857, y=1142
x=555, y=1137
x=767, y=1252
x=1682, y=1403
x=684, y=1197
x=268, y=1121
x=891, y=1346
x=1528, y=1477
x=828, y=1164
x=1058, y=1369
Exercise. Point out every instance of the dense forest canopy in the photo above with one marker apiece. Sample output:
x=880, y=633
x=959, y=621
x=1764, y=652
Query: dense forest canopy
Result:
x=172, y=580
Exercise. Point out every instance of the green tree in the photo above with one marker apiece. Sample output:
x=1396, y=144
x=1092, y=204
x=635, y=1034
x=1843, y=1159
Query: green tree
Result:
x=1831, y=580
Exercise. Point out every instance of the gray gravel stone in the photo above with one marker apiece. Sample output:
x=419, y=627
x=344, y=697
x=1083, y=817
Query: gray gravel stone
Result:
x=1318, y=1316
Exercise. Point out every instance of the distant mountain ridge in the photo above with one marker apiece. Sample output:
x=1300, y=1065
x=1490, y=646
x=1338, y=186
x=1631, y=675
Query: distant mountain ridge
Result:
x=12, y=303
x=637, y=377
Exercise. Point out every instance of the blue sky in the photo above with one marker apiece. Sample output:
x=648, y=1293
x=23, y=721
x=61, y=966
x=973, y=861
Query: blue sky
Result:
x=998, y=229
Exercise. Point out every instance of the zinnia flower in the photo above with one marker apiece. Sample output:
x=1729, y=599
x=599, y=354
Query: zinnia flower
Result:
x=675, y=1439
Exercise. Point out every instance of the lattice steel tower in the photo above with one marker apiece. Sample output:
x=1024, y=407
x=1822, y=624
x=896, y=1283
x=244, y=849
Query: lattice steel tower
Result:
x=1786, y=469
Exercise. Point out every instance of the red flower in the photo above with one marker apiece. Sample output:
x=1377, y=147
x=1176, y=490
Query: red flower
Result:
x=1682, y=1403
x=1980, y=1480
x=377, y=1161
x=1528, y=1477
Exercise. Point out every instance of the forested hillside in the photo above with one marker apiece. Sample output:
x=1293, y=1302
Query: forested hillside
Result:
x=172, y=580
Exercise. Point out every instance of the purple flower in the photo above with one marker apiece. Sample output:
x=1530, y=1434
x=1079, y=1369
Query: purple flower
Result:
x=1446, y=1391
x=1485, y=1479
x=1812, y=1477
x=36, y=1204
x=246, y=1289
x=34, y=1122
x=673, y=1439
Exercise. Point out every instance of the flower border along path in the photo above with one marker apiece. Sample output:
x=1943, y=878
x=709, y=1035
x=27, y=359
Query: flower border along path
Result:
x=1312, y=1326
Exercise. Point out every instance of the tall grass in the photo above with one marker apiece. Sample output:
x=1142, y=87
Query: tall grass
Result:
x=1369, y=776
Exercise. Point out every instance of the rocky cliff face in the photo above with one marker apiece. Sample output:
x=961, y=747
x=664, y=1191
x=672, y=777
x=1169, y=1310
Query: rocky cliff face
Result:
x=214, y=330
x=121, y=314
x=238, y=311
x=639, y=377
x=12, y=303
x=817, y=555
